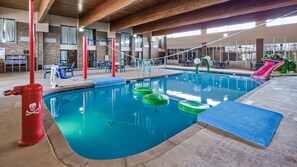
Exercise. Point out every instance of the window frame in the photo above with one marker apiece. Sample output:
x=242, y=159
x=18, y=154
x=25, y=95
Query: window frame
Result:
x=123, y=43
x=15, y=31
x=138, y=36
x=67, y=36
x=281, y=21
x=185, y=34
x=232, y=27
x=90, y=43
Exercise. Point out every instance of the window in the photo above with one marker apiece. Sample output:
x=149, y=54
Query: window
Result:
x=281, y=21
x=89, y=33
x=7, y=30
x=161, y=42
x=184, y=34
x=63, y=56
x=228, y=28
x=138, y=41
x=125, y=40
x=68, y=35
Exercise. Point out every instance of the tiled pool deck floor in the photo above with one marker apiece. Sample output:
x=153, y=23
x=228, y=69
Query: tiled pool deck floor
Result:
x=199, y=145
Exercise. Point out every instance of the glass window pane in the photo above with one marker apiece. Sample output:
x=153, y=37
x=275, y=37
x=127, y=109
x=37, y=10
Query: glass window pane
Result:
x=185, y=34
x=234, y=27
x=274, y=22
x=72, y=36
x=290, y=20
x=63, y=58
x=211, y=30
x=9, y=30
x=64, y=34
x=248, y=25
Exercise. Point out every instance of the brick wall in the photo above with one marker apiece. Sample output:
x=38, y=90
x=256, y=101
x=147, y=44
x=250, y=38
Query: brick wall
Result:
x=79, y=49
x=52, y=50
x=118, y=54
x=146, y=50
x=49, y=52
x=19, y=46
x=154, y=48
x=101, y=50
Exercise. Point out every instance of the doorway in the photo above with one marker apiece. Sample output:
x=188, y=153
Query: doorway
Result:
x=68, y=56
x=92, y=58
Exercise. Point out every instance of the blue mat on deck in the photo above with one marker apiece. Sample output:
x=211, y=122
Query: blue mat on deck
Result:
x=250, y=123
x=108, y=81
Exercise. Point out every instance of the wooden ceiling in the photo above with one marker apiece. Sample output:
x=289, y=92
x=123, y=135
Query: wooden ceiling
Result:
x=73, y=8
x=157, y=16
x=18, y=4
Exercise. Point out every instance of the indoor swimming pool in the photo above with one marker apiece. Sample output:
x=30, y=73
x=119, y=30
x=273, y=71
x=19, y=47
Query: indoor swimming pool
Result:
x=111, y=122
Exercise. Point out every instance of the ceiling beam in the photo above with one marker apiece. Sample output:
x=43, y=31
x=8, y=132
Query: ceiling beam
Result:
x=259, y=16
x=103, y=10
x=167, y=9
x=43, y=9
x=221, y=11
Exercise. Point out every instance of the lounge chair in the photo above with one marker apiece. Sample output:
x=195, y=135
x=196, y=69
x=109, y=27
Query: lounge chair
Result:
x=46, y=69
x=227, y=64
x=70, y=69
x=107, y=65
x=252, y=65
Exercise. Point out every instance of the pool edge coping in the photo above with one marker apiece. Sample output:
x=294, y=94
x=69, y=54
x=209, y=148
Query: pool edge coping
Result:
x=63, y=152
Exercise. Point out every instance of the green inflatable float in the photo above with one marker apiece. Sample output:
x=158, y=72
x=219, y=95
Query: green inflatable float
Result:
x=292, y=66
x=155, y=99
x=192, y=107
x=142, y=90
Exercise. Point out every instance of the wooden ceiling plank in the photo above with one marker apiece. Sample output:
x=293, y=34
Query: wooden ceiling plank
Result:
x=167, y=9
x=212, y=13
x=259, y=16
x=43, y=9
x=103, y=10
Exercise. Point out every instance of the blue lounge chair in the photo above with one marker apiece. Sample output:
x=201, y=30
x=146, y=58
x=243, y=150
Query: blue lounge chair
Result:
x=107, y=65
x=46, y=69
x=70, y=69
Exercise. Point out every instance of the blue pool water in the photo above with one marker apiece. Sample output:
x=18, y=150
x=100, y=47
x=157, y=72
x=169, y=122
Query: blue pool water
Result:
x=111, y=122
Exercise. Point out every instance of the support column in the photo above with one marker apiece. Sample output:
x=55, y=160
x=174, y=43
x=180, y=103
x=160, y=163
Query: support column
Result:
x=260, y=48
x=31, y=39
x=85, y=58
x=204, y=49
x=113, y=57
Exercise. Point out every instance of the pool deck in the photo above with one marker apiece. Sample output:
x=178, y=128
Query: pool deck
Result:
x=198, y=145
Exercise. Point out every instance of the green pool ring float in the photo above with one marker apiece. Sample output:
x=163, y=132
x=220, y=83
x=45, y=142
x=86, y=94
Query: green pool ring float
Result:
x=192, y=107
x=155, y=99
x=142, y=90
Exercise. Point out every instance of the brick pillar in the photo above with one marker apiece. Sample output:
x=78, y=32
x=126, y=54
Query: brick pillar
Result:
x=204, y=48
x=260, y=48
x=165, y=46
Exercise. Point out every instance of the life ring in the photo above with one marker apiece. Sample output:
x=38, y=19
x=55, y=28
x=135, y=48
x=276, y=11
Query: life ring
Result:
x=192, y=107
x=142, y=90
x=155, y=99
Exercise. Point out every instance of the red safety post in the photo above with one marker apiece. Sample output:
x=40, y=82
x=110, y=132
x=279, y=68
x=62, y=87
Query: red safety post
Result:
x=32, y=129
x=31, y=39
x=85, y=58
x=113, y=57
